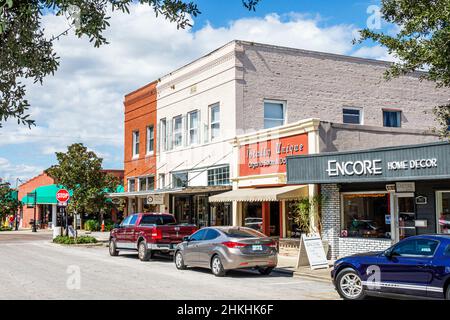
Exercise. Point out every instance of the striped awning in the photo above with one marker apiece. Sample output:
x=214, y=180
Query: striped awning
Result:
x=262, y=194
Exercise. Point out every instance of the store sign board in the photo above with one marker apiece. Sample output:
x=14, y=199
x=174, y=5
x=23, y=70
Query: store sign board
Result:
x=312, y=252
x=155, y=199
x=269, y=156
x=405, y=187
x=388, y=164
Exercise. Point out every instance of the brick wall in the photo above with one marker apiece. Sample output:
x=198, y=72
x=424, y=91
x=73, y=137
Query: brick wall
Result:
x=319, y=85
x=349, y=246
x=331, y=217
x=140, y=112
x=28, y=213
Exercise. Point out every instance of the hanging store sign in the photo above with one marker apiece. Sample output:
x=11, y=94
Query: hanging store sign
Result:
x=155, y=199
x=387, y=164
x=269, y=156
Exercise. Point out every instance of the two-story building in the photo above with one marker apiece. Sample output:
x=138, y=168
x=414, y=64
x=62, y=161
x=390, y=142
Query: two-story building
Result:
x=229, y=119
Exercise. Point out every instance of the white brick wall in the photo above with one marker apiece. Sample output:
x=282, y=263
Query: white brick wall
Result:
x=349, y=246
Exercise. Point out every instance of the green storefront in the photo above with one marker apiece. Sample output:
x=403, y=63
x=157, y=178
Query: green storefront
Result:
x=373, y=198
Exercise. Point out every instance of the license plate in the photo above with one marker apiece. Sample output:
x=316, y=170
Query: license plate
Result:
x=257, y=247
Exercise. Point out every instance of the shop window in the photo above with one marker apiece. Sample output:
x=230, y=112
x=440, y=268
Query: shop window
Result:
x=219, y=176
x=135, y=143
x=292, y=228
x=194, y=136
x=215, y=121
x=252, y=212
x=150, y=139
x=177, y=131
x=180, y=179
x=392, y=118
x=220, y=214
x=352, y=115
x=274, y=114
x=366, y=215
x=443, y=211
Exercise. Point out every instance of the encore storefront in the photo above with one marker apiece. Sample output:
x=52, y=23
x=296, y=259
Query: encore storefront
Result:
x=261, y=198
x=374, y=198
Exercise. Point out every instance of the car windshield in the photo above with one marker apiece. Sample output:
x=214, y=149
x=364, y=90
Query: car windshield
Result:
x=151, y=220
x=243, y=233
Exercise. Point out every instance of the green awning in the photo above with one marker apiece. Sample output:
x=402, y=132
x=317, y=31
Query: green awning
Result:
x=45, y=195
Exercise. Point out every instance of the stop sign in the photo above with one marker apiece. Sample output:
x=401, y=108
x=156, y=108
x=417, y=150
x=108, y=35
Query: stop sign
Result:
x=62, y=195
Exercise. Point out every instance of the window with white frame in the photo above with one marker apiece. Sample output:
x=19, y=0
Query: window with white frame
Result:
x=162, y=181
x=146, y=183
x=352, y=115
x=274, y=113
x=135, y=143
x=131, y=185
x=219, y=176
x=214, y=119
x=177, y=131
x=150, y=139
x=163, y=134
x=193, y=127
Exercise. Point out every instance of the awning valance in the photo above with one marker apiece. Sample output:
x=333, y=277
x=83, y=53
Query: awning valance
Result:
x=262, y=194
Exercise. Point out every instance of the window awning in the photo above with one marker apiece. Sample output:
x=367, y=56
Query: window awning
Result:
x=262, y=194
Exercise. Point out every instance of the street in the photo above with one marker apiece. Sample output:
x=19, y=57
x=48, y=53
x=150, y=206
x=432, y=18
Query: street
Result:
x=31, y=267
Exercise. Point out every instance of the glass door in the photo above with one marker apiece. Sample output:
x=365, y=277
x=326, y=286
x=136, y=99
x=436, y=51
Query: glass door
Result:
x=405, y=216
x=443, y=211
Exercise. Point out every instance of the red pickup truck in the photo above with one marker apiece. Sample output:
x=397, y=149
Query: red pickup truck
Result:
x=148, y=233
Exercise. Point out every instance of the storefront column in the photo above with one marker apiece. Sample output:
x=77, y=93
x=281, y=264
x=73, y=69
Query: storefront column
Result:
x=139, y=204
x=237, y=213
x=281, y=227
x=331, y=218
x=53, y=216
x=313, y=191
x=130, y=206
x=266, y=218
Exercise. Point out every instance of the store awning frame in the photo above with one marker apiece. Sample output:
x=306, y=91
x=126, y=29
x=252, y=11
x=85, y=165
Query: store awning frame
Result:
x=262, y=194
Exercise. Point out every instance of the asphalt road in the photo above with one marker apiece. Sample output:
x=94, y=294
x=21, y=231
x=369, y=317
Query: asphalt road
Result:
x=31, y=267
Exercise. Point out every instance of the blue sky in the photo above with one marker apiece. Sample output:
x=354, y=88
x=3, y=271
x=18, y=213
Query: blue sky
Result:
x=83, y=101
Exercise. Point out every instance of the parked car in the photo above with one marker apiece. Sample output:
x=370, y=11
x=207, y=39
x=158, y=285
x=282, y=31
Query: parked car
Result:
x=254, y=223
x=148, y=233
x=224, y=248
x=417, y=266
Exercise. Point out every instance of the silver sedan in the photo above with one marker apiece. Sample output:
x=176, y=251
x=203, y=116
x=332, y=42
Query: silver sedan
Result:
x=224, y=248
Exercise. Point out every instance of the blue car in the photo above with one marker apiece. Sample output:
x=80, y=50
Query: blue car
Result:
x=416, y=267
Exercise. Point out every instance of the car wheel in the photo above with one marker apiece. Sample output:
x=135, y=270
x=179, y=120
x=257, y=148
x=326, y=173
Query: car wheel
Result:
x=143, y=253
x=349, y=285
x=113, y=248
x=447, y=296
x=217, y=267
x=265, y=271
x=179, y=261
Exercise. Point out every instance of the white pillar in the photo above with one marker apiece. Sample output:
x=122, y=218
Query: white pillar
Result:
x=236, y=213
x=53, y=216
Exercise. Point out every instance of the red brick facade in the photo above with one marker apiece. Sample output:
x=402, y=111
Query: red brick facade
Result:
x=28, y=213
x=140, y=113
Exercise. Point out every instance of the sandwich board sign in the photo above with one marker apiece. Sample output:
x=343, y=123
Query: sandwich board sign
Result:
x=312, y=252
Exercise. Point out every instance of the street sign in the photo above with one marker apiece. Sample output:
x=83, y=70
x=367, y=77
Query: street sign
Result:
x=62, y=195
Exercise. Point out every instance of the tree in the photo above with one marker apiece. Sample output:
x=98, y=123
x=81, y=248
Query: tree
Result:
x=81, y=171
x=9, y=204
x=25, y=52
x=423, y=42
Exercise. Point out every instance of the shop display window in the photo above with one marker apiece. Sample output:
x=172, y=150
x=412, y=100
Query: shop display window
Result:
x=252, y=212
x=366, y=215
x=443, y=211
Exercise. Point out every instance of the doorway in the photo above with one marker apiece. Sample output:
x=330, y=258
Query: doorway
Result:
x=404, y=216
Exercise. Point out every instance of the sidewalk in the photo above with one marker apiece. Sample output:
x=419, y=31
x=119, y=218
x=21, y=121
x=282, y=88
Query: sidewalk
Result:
x=100, y=236
x=288, y=264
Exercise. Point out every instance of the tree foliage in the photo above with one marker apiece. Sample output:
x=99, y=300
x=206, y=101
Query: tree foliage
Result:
x=8, y=203
x=26, y=53
x=80, y=170
x=423, y=42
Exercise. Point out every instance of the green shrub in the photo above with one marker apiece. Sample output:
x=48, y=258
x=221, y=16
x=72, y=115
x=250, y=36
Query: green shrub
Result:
x=5, y=229
x=70, y=240
x=92, y=225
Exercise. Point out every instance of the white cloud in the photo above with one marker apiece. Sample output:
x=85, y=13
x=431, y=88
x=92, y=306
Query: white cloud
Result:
x=10, y=172
x=375, y=52
x=83, y=101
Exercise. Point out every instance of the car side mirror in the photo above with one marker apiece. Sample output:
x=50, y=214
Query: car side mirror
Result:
x=186, y=238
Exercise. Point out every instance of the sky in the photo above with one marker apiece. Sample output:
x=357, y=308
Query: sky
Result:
x=83, y=101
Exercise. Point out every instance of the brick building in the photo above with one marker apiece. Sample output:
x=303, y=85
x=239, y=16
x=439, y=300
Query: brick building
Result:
x=245, y=95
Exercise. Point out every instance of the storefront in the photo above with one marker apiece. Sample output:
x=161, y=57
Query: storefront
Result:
x=260, y=195
x=377, y=197
x=191, y=206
